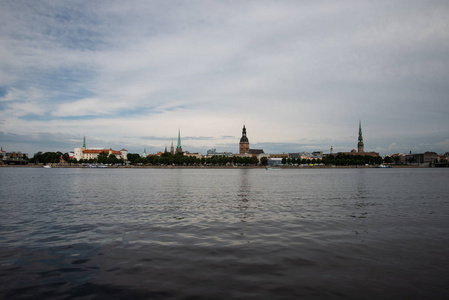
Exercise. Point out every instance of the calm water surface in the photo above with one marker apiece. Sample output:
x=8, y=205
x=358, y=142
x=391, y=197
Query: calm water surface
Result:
x=224, y=234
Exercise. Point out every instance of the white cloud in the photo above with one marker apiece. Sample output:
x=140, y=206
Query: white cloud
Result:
x=87, y=107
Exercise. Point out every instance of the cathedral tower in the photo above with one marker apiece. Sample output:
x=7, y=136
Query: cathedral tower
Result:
x=244, y=142
x=178, y=147
x=360, y=143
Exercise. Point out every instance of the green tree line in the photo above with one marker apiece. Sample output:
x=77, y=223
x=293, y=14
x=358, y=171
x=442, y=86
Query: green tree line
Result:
x=48, y=157
x=180, y=159
x=55, y=157
x=218, y=160
x=338, y=160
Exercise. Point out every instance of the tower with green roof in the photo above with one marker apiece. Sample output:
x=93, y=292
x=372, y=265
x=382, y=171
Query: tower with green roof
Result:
x=178, y=147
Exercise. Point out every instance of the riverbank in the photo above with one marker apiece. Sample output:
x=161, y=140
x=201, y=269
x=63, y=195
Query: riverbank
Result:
x=211, y=167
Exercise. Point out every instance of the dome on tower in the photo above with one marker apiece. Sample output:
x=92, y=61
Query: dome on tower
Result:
x=244, y=139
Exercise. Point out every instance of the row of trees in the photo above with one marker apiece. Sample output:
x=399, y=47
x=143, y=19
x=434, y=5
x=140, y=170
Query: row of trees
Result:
x=57, y=157
x=48, y=157
x=339, y=160
x=135, y=159
x=180, y=159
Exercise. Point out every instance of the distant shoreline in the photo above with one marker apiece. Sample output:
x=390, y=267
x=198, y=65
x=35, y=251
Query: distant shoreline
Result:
x=211, y=167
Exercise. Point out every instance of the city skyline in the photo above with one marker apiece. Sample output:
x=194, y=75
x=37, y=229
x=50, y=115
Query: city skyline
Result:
x=359, y=150
x=300, y=75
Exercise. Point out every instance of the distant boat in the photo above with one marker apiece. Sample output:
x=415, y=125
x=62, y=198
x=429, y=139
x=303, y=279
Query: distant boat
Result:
x=383, y=166
x=95, y=166
x=47, y=167
x=272, y=168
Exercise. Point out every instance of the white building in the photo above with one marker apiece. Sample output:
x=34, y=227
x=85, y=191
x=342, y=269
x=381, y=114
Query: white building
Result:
x=84, y=153
x=80, y=153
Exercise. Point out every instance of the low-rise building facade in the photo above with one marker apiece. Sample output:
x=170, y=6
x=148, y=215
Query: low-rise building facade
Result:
x=422, y=158
x=14, y=158
x=85, y=153
x=80, y=153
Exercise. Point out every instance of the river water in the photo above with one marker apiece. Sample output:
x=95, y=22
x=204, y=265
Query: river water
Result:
x=224, y=233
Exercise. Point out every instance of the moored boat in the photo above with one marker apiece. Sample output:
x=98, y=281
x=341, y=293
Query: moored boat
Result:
x=383, y=166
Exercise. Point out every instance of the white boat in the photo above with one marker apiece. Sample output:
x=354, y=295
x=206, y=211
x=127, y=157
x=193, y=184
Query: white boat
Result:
x=272, y=168
x=383, y=166
x=47, y=167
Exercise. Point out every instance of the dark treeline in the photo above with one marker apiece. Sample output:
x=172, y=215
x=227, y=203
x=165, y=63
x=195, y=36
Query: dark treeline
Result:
x=338, y=160
x=136, y=159
x=57, y=157
x=352, y=160
x=48, y=157
x=180, y=159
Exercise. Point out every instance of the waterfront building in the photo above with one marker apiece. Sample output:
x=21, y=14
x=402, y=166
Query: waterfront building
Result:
x=85, y=153
x=256, y=152
x=281, y=156
x=422, y=158
x=399, y=158
x=360, y=146
x=14, y=158
x=213, y=152
x=294, y=155
x=156, y=154
x=196, y=154
x=244, y=145
x=276, y=161
x=317, y=154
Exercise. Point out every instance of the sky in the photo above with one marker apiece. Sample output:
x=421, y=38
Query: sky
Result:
x=300, y=75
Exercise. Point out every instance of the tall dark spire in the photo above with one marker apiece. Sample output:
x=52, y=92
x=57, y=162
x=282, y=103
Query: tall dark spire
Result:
x=360, y=131
x=84, y=143
x=360, y=144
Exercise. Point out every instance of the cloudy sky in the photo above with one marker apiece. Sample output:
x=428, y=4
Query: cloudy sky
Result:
x=299, y=74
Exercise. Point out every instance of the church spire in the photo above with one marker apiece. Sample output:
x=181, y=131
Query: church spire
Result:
x=360, y=131
x=84, y=143
x=178, y=147
x=360, y=144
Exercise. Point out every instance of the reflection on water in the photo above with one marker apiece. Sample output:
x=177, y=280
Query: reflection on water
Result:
x=361, y=195
x=240, y=233
x=243, y=196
